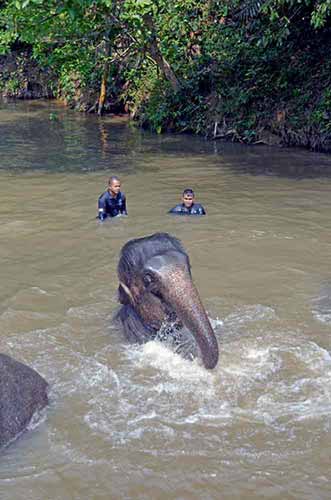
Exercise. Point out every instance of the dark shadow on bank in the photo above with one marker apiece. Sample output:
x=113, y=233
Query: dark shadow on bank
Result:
x=276, y=161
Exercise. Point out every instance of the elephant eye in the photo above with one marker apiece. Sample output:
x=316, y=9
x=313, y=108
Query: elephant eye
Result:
x=148, y=279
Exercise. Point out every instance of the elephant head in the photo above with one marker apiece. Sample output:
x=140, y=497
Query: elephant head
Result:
x=156, y=286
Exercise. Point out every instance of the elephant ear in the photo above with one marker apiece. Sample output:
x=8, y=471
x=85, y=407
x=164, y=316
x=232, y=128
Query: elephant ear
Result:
x=124, y=295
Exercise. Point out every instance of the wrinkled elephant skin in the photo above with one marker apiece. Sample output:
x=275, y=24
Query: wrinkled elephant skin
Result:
x=156, y=288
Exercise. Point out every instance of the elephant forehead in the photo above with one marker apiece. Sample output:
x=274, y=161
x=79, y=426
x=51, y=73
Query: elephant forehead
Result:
x=167, y=261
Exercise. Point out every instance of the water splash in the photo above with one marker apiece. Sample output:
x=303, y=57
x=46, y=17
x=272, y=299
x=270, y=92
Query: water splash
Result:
x=322, y=305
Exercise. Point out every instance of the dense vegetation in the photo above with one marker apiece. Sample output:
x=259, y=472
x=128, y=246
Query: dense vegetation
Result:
x=241, y=70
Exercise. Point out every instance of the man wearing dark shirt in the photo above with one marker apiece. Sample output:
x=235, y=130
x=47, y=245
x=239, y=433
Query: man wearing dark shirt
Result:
x=188, y=205
x=112, y=202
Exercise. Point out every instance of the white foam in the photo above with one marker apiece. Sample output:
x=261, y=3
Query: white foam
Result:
x=216, y=323
x=37, y=418
x=322, y=317
x=249, y=313
x=173, y=365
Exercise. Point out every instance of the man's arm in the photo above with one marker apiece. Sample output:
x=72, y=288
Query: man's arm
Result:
x=123, y=208
x=178, y=209
x=102, y=214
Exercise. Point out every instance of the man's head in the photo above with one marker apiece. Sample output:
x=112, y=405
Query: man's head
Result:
x=114, y=185
x=188, y=197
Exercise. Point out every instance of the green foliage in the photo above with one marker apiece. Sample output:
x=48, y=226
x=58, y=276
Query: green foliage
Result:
x=185, y=65
x=12, y=86
x=321, y=13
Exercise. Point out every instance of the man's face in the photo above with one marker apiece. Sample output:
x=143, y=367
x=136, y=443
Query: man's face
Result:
x=188, y=200
x=115, y=187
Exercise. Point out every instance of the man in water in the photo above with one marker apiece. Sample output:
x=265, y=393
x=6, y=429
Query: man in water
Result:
x=188, y=205
x=112, y=202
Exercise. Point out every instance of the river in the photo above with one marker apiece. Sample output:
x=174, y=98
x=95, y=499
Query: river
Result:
x=138, y=422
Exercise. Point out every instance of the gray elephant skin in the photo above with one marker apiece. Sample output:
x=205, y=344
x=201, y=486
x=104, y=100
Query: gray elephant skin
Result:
x=156, y=289
x=23, y=392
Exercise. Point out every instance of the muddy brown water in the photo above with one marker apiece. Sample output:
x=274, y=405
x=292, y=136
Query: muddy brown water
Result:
x=139, y=422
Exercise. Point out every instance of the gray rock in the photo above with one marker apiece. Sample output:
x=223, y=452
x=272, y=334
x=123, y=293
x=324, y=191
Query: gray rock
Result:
x=23, y=392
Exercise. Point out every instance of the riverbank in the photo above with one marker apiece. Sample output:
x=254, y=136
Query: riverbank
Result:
x=298, y=116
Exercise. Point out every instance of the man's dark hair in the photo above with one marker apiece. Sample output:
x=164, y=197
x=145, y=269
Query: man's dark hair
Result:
x=188, y=191
x=112, y=179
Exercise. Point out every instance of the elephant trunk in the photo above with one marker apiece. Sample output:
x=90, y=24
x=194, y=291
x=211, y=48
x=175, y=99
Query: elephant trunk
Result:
x=181, y=294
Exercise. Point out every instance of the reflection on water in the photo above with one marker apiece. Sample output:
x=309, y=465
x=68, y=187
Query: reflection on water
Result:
x=32, y=139
x=140, y=421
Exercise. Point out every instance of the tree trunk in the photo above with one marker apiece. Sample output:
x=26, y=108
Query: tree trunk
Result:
x=155, y=52
x=103, y=89
x=104, y=79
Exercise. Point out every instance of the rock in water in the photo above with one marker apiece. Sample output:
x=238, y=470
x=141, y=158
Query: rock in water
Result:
x=23, y=392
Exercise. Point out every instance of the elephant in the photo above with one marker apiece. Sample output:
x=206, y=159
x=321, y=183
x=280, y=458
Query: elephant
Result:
x=159, y=300
x=23, y=392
